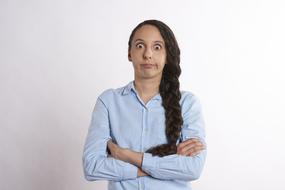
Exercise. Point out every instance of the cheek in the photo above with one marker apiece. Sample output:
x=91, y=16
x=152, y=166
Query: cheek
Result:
x=161, y=57
x=136, y=66
x=161, y=61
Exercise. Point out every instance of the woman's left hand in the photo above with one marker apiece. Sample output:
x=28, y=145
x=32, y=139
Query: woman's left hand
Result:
x=190, y=147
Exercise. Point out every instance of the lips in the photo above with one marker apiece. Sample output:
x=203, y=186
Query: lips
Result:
x=147, y=66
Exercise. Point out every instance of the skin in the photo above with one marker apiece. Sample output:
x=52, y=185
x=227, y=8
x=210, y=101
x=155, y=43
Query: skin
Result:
x=148, y=56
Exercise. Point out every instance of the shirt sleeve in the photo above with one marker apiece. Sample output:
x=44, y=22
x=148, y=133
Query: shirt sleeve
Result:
x=178, y=167
x=96, y=163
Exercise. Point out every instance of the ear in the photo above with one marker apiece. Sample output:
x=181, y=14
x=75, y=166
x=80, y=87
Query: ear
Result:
x=129, y=57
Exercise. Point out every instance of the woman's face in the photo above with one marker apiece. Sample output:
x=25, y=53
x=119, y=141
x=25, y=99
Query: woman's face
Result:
x=148, y=53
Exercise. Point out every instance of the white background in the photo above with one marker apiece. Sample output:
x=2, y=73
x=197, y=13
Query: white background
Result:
x=57, y=56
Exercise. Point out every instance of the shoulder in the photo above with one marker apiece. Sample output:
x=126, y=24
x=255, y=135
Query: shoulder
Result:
x=106, y=94
x=188, y=96
x=111, y=94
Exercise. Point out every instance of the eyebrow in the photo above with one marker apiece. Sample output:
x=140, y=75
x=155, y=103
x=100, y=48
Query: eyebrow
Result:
x=157, y=41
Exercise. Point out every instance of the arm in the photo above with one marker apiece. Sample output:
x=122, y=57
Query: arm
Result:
x=97, y=165
x=177, y=166
x=190, y=147
x=174, y=166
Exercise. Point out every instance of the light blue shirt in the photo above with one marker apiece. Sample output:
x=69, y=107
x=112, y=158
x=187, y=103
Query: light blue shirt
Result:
x=120, y=114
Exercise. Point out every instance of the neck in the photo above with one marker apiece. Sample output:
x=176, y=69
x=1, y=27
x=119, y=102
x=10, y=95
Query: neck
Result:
x=147, y=87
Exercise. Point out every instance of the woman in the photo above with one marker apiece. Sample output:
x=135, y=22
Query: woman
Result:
x=147, y=134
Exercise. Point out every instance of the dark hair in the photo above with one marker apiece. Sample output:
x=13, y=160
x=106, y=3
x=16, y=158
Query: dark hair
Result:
x=168, y=88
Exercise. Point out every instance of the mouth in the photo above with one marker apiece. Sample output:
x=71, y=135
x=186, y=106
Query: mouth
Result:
x=148, y=66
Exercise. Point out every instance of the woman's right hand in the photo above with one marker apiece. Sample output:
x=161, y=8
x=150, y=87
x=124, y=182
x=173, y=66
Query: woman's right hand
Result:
x=190, y=147
x=141, y=173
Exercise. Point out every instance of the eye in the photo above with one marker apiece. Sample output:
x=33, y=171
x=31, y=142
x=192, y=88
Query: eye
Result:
x=139, y=45
x=157, y=46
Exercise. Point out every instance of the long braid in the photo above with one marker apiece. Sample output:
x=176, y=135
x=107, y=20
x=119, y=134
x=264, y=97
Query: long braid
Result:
x=169, y=89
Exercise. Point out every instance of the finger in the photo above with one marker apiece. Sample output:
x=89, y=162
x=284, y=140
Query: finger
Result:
x=187, y=142
x=191, y=148
x=186, y=148
x=190, y=140
x=190, y=151
x=194, y=153
x=195, y=150
x=189, y=145
x=109, y=142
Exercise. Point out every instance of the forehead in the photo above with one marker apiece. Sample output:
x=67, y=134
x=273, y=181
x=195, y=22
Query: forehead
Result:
x=148, y=33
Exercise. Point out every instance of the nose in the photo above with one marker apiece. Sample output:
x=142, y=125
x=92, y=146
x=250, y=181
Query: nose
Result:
x=147, y=53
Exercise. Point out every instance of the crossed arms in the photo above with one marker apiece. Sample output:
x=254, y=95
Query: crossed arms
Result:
x=125, y=164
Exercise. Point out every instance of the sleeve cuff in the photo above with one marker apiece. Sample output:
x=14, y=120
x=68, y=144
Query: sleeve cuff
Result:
x=149, y=162
x=130, y=172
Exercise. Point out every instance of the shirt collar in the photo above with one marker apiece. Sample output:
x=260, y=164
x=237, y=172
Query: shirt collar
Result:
x=131, y=88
